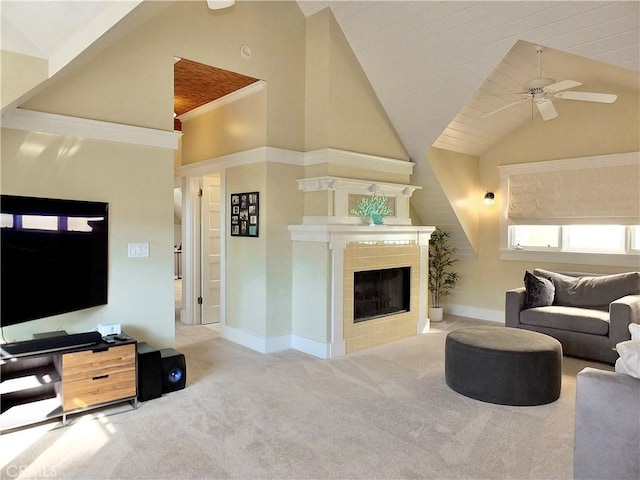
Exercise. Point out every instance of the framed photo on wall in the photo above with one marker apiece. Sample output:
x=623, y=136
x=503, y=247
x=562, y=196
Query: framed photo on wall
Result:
x=245, y=214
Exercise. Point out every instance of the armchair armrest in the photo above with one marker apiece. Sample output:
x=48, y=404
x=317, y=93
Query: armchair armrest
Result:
x=514, y=303
x=622, y=312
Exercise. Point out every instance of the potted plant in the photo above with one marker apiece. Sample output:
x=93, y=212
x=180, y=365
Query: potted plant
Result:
x=375, y=207
x=441, y=280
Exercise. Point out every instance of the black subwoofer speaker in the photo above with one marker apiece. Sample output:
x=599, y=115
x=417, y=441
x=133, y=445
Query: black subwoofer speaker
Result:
x=174, y=370
x=149, y=372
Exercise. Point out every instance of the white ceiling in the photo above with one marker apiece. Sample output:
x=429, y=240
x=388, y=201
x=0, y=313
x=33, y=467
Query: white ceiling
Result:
x=58, y=31
x=432, y=64
x=426, y=60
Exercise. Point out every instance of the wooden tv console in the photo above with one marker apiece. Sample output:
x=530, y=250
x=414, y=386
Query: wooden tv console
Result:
x=39, y=386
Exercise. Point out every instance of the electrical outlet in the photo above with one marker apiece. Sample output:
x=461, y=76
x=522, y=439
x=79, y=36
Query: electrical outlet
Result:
x=138, y=250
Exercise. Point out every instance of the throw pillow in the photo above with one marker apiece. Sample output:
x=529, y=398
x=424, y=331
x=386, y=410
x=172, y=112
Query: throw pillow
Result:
x=540, y=291
x=629, y=361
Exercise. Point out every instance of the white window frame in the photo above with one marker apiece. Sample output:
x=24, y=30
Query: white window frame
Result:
x=628, y=258
x=634, y=235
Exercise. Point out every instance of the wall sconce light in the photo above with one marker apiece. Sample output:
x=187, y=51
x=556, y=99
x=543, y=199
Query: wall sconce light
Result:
x=489, y=198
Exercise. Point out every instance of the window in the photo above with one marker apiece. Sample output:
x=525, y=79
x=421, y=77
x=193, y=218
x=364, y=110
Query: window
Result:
x=595, y=238
x=581, y=210
x=535, y=236
x=575, y=238
x=635, y=238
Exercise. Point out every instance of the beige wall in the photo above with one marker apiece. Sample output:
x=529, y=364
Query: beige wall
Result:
x=609, y=129
x=259, y=269
x=275, y=33
x=138, y=70
x=20, y=73
x=130, y=83
x=284, y=207
x=312, y=273
x=343, y=111
x=459, y=177
x=233, y=127
x=137, y=184
x=246, y=265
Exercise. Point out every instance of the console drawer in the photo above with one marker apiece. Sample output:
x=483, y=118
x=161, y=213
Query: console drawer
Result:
x=90, y=378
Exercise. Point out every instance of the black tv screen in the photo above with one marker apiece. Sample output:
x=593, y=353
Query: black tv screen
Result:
x=55, y=257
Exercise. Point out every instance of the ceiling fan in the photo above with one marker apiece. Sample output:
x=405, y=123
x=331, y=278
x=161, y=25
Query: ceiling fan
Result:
x=540, y=90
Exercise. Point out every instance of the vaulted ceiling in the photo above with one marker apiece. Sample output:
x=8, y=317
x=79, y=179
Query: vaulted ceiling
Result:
x=427, y=60
x=437, y=67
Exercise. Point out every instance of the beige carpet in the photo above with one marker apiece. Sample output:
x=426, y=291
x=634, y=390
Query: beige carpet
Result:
x=381, y=413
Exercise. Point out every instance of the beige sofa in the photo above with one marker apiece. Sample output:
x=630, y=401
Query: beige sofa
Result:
x=587, y=314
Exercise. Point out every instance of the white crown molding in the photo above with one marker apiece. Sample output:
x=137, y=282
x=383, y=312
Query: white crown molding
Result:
x=579, y=163
x=33, y=121
x=232, y=97
x=303, y=159
x=358, y=160
x=317, y=184
x=247, y=157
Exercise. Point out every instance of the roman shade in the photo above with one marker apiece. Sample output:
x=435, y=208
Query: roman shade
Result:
x=594, y=196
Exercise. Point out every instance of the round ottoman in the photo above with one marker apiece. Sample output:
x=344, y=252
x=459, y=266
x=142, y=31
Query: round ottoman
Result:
x=503, y=365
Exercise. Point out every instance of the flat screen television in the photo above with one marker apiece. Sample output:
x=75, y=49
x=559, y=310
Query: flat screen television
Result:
x=55, y=257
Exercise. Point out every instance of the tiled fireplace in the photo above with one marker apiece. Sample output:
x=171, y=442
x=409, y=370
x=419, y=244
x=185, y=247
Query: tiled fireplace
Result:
x=325, y=259
x=332, y=246
x=388, y=258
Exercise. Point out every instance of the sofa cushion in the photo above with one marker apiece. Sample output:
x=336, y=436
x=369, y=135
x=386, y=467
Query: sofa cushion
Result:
x=540, y=291
x=574, y=319
x=591, y=291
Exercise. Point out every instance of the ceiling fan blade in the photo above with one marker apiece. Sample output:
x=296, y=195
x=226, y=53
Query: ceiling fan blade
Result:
x=561, y=85
x=504, y=108
x=588, y=96
x=546, y=109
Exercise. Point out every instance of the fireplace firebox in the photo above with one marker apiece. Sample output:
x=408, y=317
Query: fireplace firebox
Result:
x=378, y=293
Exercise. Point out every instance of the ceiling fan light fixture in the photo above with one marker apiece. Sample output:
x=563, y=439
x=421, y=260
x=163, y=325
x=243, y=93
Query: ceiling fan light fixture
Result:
x=540, y=89
x=219, y=4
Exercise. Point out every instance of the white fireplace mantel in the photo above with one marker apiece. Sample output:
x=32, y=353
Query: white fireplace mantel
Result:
x=337, y=237
x=339, y=234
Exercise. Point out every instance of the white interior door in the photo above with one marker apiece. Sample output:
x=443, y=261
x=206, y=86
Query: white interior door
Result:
x=211, y=224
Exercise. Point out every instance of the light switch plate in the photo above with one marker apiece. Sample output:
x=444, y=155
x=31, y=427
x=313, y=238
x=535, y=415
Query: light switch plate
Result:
x=138, y=250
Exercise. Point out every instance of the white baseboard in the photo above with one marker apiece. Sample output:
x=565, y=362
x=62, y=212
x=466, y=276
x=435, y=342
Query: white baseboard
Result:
x=245, y=339
x=337, y=349
x=275, y=344
x=472, y=312
x=283, y=342
x=311, y=347
x=424, y=326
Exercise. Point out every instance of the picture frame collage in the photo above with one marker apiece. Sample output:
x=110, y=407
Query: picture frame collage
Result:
x=245, y=214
